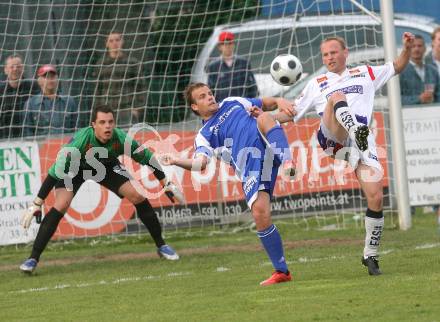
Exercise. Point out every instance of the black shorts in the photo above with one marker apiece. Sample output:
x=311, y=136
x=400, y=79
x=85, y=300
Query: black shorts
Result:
x=115, y=176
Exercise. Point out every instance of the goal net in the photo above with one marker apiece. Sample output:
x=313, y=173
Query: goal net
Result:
x=159, y=47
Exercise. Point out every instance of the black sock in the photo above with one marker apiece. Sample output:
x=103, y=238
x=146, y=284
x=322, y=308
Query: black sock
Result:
x=374, y=214
x=149, y=218
x=47, y=228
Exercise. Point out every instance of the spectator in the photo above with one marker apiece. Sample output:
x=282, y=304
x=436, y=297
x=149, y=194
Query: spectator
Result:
x=419, y=82
x=433, y=58
x=49, y=112
x=230, y=75
x=120, y=82
x=14, y=92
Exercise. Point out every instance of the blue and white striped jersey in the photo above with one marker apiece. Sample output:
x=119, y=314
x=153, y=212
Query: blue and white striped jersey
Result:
x=231, y=130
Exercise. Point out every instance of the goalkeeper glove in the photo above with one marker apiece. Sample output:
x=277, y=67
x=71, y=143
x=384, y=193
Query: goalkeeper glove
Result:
x=173, y=192
x=33, y=211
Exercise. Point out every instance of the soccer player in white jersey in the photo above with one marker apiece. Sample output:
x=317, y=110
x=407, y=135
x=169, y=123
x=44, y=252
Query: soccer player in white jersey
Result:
x=254, y=147
x=344, y=99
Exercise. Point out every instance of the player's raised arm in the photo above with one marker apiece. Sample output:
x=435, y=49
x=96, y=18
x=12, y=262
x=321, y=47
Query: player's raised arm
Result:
x=286, y=109
x=197, y=164
x=283, y=105
x=144, y=156
x=402, y=60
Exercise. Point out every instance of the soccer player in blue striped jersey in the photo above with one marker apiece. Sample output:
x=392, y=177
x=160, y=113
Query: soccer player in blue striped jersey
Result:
x=242, y=134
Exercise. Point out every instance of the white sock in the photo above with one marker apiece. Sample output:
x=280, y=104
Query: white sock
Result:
x=346, y=117
x=373, y=232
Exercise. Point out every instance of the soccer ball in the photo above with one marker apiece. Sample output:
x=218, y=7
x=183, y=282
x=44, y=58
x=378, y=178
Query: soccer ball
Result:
x=286, y=69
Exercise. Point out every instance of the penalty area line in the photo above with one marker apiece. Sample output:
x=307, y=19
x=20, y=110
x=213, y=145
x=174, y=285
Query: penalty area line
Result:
x=117, y=281
x=305, y=260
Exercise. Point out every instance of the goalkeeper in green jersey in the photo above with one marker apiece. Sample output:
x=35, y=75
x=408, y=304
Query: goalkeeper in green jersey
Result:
x=92, y=154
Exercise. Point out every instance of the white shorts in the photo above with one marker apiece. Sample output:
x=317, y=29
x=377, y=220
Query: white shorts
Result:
x=347, y=150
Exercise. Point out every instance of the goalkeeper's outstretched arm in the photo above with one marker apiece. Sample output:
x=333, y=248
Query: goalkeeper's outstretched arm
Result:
x=157, y=170
x=46, y=187
x=171, y=190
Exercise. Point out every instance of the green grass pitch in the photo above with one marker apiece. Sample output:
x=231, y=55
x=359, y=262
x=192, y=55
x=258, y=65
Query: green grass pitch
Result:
x=218, y=275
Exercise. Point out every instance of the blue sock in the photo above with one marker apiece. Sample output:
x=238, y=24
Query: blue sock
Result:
x=278, y=139
x=271, y=240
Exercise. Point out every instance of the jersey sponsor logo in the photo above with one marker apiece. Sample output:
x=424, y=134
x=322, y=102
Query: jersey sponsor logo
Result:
x=375, y=236
x=321, y=79
x=323, y=86
x=354, y=71
x=222, y=118
x=353, y=89
x=347, y=120
x=358, y=75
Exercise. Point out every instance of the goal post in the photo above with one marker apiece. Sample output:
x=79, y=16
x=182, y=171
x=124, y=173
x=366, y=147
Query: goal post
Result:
x=396, y=121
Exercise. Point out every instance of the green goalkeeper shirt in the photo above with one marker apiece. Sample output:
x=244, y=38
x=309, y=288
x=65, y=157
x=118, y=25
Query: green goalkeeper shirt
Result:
x=84, y=140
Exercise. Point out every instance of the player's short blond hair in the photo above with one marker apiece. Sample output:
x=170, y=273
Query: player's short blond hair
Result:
x=340, y=40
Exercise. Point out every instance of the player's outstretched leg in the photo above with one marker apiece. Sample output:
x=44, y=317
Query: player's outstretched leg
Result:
x=361, y=137
x=277, y=139
x=271, y=240
x=358, y=132
x=149, y=218
x=45, y=232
